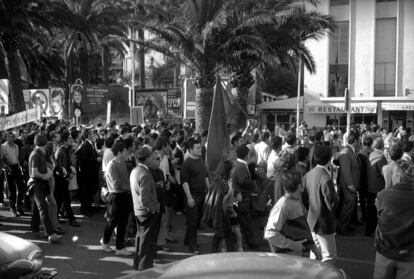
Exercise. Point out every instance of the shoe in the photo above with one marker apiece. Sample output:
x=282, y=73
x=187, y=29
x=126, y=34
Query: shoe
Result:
x=105, y=247
x=74, y=223
x=14, y=213
x=171, y=240
x=54, y=238
x=59, y=231
x=123, y=252
x=21, y=211
x=194, y=250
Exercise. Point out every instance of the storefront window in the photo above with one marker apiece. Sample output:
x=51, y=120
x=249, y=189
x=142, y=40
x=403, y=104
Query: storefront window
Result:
x=385, y=56
x=338, y=59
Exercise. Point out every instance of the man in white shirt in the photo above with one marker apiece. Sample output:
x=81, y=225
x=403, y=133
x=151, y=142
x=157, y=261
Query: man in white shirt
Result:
x=262, y=150
x=17, y=189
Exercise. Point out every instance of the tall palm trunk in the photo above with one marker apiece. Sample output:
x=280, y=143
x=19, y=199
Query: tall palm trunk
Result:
x=3, y=70
x=83, y=65
x=106, y=55
x=239, y=120
x=242, y=81
x=13, y=71
x=204, y=101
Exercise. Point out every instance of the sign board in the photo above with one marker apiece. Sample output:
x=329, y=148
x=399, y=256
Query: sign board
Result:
x=92, y=102
x=189, y=98
x=19, y=119
x=4, y=96
x=57, y=102
x=137, y=115
x=326, y=108
x=174, y=102
x=397, y=106
x=153, y=100
x=38, y=98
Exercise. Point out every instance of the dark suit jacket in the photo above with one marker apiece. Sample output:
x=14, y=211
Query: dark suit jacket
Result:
x=178, y=155
x=349, y=168
x=376, y=180
x=87, y=164
x=321, y=200
x=241, y=178
x=363, y=156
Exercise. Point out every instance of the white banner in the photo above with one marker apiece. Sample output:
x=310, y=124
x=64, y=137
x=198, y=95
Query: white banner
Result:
x=397, y=106
x=19, y=119
x=363, y=108
x=4, y=96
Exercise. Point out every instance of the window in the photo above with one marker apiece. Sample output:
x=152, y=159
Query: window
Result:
x=339, y=2
x=380, y=1
x=338, y=59
x=385, y=56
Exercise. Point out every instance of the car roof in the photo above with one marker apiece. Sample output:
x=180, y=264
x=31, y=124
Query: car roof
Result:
x=246, y=265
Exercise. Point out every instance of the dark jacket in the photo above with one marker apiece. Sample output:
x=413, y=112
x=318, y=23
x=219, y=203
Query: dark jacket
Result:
x=376, y=180
x=241, y=178
x=394, y=236
x=363, y=156
x=349, y=168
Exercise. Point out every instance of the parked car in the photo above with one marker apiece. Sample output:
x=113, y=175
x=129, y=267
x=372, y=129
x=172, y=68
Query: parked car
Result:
x=243, y=265
x=20, y=258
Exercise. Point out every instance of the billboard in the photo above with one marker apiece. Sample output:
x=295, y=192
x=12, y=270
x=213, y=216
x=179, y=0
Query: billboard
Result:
x=4, y=96
x=159, y=102
x=38, y=98
x=92, y=101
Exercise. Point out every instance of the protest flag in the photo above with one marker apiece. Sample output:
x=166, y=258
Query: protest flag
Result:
x=218, y=141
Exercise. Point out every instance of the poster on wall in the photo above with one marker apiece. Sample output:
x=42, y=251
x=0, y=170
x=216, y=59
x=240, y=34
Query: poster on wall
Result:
x=4, y=96
x=154, y=102
x=38, y=98
x=137, y=115
x=92, y=102
x=57, y=102
x=174, y=102
x=189, y=98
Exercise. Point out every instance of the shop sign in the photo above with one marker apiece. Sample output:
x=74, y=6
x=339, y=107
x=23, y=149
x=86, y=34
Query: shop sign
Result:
x=397, y=106
x=363, y=108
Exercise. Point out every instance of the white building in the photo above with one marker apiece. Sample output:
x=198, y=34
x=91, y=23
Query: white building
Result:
x=371, y=52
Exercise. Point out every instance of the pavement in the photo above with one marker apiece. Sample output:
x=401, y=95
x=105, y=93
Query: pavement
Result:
x=79, y=256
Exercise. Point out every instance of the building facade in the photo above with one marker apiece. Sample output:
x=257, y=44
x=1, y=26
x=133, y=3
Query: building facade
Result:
x=371, y=52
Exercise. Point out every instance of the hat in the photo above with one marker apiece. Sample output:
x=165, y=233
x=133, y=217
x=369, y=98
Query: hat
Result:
x=405, y=171
x=143, y=153
x=40, y=140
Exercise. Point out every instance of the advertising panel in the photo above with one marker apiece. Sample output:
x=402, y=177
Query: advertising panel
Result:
x=174, y=102
x=38, y=98
x=4, y=96
x=154, y=102
x=189, y=98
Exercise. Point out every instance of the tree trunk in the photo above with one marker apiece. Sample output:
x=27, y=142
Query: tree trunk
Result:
x=106, y=55
x=3, y=69
x=83, y=65
x=239, y=120
x=141, y=57
x=204, y=102
x=13, y=71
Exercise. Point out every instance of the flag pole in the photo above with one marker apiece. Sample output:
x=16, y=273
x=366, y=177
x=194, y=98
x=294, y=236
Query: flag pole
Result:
x=348, y=112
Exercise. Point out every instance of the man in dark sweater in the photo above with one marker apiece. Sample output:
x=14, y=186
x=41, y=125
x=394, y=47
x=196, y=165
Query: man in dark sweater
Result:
x=394, y=236
x=195, y=181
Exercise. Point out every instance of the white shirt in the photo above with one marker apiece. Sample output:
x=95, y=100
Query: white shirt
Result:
x=262, y=150
x=10, y=153
x=107, y=157
x=164, y=166
x=271, y=165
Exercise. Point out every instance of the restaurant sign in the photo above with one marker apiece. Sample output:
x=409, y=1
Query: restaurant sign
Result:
x=397, y=106
x=364, y=108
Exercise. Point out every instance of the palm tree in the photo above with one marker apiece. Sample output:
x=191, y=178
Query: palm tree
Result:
x=20, y=20
x=97, y=24
x=261, y=35
x=179, y=28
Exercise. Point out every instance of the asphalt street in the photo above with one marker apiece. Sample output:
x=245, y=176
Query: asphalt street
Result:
x=79, y=256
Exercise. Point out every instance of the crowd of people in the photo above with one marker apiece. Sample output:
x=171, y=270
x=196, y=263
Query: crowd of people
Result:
x=309, y=188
